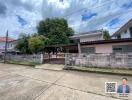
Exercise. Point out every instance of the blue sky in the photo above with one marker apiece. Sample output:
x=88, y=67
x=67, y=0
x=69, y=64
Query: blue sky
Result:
x=88, y=15
x=127, y=5
x=113, y=22
x=22, y=21
x=22, y=16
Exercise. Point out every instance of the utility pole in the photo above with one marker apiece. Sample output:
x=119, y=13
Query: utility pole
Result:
x=6, y=43
x=79, y=47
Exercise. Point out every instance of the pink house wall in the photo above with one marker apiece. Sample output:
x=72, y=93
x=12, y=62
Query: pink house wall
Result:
x=105, y=48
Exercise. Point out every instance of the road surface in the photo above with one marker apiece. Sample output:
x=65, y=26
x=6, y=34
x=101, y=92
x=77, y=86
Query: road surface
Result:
x=27, y=83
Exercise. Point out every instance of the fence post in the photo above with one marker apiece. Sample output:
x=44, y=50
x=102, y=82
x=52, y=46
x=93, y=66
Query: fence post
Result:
x=41, y=58
x=6, y=47
x=65, y=60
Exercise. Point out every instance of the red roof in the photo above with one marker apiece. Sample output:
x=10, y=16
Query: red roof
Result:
x=3, y=39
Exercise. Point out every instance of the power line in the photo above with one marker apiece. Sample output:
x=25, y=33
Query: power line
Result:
x=114, y=27
x=115, y=14
x=107, y=2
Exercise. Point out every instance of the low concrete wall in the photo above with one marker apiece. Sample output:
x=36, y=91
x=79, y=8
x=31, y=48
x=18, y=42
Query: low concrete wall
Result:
x=117, y=60
x=38, y=58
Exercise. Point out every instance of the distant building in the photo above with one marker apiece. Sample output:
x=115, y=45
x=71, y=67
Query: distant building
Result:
x=10, y=46
x=124, y=32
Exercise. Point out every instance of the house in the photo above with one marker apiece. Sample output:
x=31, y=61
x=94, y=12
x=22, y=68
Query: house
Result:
x=10, y=45
x=124, y=32
x=107, y=46
x=93, y=42
x=89, y=36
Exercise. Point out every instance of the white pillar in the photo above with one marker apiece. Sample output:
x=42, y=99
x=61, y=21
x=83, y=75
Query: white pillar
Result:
x=41, y=58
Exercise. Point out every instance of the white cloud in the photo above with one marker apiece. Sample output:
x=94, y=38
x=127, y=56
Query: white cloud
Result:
x=33, y=11
x=10, y=22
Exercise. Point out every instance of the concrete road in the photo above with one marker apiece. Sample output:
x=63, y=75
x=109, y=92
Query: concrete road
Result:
x=27, y=83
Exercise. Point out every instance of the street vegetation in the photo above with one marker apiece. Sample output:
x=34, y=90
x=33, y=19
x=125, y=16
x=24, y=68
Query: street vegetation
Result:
x=49, y=32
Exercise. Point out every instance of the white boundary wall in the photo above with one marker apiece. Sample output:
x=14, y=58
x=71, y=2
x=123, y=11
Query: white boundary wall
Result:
x=118, y=60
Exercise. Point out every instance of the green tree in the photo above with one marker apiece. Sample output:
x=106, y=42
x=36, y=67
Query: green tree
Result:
x=106, y=35
x=22, y=44
x=56, y=30
x=37, y=43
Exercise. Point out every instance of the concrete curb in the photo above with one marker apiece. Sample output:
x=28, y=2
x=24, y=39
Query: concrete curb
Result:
x=95, y=71
x=20, y=64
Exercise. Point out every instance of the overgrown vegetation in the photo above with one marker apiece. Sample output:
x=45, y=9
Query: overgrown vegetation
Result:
x=56, y=30
x=50, y=32
x=37, y=43
x=22, y=44
x=26, y=63
x=106, y=35
x=105, y=70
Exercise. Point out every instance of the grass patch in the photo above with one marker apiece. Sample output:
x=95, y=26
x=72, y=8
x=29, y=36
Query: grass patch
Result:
x=26, y=63
x=117, y=71
x=1, y=61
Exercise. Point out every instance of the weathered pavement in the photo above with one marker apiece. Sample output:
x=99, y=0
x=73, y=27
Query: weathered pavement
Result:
x=26, y=83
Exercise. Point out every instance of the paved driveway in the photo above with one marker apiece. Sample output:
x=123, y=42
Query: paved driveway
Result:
x=27, y=83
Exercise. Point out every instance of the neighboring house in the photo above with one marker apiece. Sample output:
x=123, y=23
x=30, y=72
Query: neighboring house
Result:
x=10, y=46
x=89, y=36
x=124, y=32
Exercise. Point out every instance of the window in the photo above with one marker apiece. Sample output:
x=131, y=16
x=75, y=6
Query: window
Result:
x=122, y=48
x=10, y=45
x=125, y=31
x=118, y=36
x=117, y=49
x=130, y=32
x=88, y=50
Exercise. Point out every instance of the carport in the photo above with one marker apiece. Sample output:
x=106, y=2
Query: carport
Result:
x=55, y=54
